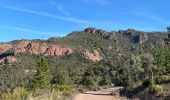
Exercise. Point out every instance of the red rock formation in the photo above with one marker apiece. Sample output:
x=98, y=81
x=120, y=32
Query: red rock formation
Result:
x=36, y=48
x=5, y=47
x=21, y=47
x=56, y=50
x=10, y=60
x=93, y=56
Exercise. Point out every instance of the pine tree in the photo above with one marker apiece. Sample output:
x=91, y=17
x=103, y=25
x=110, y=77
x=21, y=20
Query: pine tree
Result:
x=43, y=77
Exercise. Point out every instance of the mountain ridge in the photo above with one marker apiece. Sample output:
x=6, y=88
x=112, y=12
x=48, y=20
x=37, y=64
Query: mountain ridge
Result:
x=87, y=41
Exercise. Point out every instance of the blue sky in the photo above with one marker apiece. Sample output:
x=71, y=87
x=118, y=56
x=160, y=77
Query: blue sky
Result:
x=31, y=19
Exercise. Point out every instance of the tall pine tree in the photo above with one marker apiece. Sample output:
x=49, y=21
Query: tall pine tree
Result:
x=43, y=77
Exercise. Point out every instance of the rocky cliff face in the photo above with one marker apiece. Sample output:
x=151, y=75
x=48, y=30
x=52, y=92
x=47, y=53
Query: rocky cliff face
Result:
x=135, y=36
x=91, y=30
x=42, y=48
x=36, y=48
x=93, y=56
x=5, y=47
x=104, y=34
x=142, y=38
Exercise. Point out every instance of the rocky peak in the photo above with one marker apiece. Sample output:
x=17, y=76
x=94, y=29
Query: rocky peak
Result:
x=91, y=30
x=94, y=30
x=130, y=31
x=135, y=36
x=104, y=34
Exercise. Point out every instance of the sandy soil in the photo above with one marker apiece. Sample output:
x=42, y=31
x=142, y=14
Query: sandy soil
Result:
x=104, y=94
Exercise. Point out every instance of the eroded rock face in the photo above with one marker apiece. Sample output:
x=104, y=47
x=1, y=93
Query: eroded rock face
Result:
x=33, y=48
x=5, y=47
x=56, y=50
x=21, y=47
x=142, y=38
x=107, y=36
x=37, y=48
x=135, y=36
x=10, y=59
x=93, y=56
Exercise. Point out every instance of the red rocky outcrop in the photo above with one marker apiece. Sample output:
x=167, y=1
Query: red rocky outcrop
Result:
x=93, y=56
x=5, y=47
x=8, y=60
x=36, y=48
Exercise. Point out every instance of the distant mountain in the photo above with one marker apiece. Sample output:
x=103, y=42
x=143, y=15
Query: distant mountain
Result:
x=90, y=42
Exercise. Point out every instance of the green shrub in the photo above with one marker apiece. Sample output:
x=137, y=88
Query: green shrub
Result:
x=156, y=89
x=63, y=87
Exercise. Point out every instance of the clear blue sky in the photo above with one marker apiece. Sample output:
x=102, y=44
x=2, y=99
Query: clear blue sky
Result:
x=30, y=19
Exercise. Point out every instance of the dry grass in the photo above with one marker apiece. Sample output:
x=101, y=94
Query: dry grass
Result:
x=21, y=94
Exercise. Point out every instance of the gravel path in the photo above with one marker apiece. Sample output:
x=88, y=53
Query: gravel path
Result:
x=104, y=94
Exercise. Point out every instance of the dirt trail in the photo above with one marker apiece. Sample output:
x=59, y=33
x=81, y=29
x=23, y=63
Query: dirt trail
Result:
x=103, y=94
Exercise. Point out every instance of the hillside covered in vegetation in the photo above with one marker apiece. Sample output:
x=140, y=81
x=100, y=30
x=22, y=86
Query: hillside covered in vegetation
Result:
x=139, y=61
